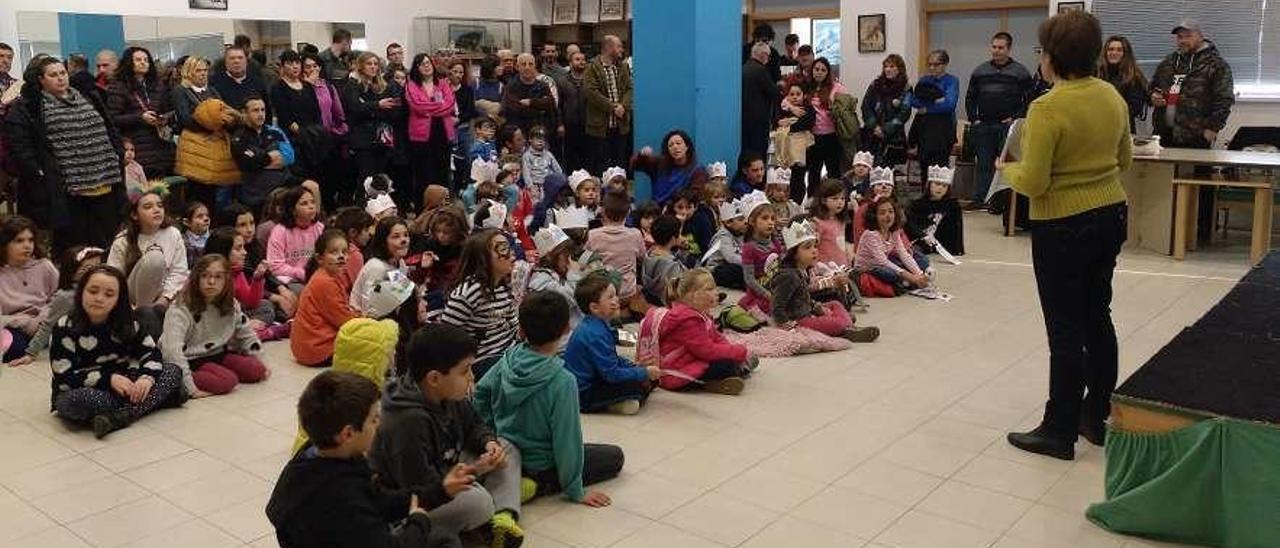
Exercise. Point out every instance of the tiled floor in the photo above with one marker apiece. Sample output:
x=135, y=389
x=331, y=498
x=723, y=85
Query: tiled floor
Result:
x=895, y=444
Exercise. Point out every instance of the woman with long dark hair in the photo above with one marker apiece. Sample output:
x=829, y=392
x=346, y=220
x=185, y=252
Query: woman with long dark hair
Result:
x=139, y=105
x=334, y=172
x=676, y=169
x=465, y=107
x=826, y=150
x=885, y=111
x=1119, y=67
x=429, y=98
x=1075, y=146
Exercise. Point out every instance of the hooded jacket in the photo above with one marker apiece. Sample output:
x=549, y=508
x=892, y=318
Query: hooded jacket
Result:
x=1207, y=94
x=324, y=502
x=688, y=342
x=531, y=400
x=418, y=441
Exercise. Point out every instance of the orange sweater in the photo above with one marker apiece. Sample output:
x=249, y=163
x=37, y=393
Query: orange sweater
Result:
x=322, y=309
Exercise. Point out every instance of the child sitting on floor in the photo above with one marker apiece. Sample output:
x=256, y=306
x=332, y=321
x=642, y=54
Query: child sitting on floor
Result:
x=881, y=188
x=481, y=303
x=858, y=179
x=430, y=434
x=285, y=300
x=606, y=381
x=290, y=245
x=661, y=265
x=537, y=163
x=756, y=253
x=778, y=190
x=882, y=253
x=615, y=180
x=531, y=399
x=555, y=258
x=938, y=215
x=195, y=228
x=322, y=307
x=386, y=251
x=249, y=285
x=724, y=257
x=28, y=285
x=792, y=302
x=357, y=225
x=693, y=354
x=208, y=335
x=621, y=248
x=697, y=225
x=326, y=494
x=76, y=260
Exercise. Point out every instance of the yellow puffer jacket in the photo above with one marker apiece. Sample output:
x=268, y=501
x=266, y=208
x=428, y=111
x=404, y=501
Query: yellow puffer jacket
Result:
x=205, y=156
x=365, y=347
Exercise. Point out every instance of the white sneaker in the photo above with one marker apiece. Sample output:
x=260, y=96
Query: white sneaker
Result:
x=625, y=407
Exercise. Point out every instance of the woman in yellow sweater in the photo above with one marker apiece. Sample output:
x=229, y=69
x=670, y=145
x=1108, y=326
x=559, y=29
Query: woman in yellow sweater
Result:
x=1075, y=144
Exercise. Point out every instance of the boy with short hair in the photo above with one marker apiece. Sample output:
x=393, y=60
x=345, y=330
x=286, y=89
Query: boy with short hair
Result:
x=429, y=429
x=483, y=148
x=724, y=257
x=661, y=265
x=621, y=248
x=605, y=379
x=530, y=398
x=326, y=495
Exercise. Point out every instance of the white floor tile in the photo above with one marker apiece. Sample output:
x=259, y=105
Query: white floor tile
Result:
x=721, y=518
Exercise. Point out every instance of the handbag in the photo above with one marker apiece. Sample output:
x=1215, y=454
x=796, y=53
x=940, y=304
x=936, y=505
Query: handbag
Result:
x=384, y=135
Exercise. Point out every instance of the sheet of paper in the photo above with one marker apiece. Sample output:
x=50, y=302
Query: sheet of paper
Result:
x=1011, y=152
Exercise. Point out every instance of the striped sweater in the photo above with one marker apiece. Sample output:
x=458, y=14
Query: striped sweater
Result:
x=490, y=319
x=78, y=136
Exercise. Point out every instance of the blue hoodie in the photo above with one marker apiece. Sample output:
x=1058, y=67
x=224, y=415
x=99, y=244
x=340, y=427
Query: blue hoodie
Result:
x=532, y=400
x=592, y=356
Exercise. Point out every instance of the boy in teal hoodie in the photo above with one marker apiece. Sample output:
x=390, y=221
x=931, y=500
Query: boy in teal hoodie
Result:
x=529, y=398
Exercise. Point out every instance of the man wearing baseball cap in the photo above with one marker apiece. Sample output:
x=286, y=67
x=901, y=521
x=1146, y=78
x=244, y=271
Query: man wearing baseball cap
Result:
x=1192, y=92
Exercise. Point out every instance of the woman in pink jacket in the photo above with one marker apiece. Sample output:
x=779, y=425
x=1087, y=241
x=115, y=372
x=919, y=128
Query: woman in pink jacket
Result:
x=432, y=118
x=693, y=353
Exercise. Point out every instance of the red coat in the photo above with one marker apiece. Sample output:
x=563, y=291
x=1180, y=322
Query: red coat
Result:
x=689, y=342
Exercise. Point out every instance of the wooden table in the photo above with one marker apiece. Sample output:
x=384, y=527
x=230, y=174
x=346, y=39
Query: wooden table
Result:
x=1163, y=204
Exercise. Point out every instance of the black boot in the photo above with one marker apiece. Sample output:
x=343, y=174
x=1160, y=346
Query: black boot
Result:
x=1093, y=432
x=107, y=423
x=1041, y=442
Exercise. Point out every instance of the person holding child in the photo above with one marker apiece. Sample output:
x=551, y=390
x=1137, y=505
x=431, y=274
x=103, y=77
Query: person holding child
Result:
x=606, y=381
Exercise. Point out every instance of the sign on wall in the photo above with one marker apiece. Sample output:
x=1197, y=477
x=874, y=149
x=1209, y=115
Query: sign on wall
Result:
x=207, y=4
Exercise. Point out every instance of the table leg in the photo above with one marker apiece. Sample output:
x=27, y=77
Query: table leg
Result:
x=1193, y=218
x=1013, y=213
x=1260, y=240
x=1182, y=199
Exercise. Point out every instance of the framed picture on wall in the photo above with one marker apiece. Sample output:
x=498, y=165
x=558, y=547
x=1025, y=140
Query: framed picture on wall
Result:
x=613, y=10
x=1064, y=7
x=871, y=37
x=207, y=4
x=564, y=12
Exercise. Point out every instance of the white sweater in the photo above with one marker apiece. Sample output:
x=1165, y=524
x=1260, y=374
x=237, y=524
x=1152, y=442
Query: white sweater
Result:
x=171, y=243
x=373, y=271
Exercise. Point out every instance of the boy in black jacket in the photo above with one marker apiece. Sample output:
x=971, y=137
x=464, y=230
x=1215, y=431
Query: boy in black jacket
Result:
x=326, y=495
x=431, y=430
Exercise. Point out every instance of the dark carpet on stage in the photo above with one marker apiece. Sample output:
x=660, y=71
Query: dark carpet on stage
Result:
x=1228, y=362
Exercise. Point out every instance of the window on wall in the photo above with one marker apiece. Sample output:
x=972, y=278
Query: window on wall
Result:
x=1246, y=33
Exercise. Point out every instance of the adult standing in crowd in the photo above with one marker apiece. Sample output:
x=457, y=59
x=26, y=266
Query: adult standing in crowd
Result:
x=998, y=92
x=573, y=114
x=791, y=50
x=1120, y=67
x=395, y=55
x=803, y=74
x=527, y=100
x=236, y=83
x=759, y=96
x=886, y=108
x=1193, y=92
x=431, y=105
x=68, y=158
x=106, y=61
x=78, y=68
x=826, y=150
x=465, y=107
x=336, y=57
x=191, y=90
x=7, y=80
x=488, y=88
x=676, y=169
x=608, y=87
x=370, y=110
x=935, y=98
x=765, y=34
x=335, y=171
x=507, y=65
x=293, y=98
x=139, y=107
x=550, y=57
x=1075, y=146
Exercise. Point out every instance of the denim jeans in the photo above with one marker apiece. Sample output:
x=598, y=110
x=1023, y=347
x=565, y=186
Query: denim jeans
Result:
x=988, y=141
x=1074, y=260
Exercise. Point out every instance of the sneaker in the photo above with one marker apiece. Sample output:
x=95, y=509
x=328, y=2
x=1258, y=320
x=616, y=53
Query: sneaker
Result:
x=528, y=489
x=861, y=334
x=625, y=407
x=752, y=363
x=731, y=386
x=506, y=532
x=1040, y=442
x=107, y=423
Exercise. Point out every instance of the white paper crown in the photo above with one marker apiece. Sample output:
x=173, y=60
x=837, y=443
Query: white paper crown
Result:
x=865, y=158
x=732, y=209
x=612, y=172
x=497, y=215
x=378, y=204
x=751, y=202
x=717, y=169
x=370, y=191
x=572, y=217
x=798, y=233
x=882, y=176
x=576, y=178
x=549, y=238
x=779, y=176
x=940, y=174
x=388, y=294
x=483, y=171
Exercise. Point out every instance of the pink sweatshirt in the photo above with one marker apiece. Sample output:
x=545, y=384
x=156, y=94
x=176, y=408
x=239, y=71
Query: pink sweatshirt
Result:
x=831, y=242
x=621, y=248
x=823, y=124
x=423, y=108
x=874, y=252
x=25, y=292
x=288, y=250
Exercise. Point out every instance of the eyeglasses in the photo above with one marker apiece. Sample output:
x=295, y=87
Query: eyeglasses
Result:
x=1038, y=50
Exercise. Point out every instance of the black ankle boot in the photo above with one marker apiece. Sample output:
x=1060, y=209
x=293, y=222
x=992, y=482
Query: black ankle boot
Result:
x=107, y=423
x=1093, y=432
x=1040, y=442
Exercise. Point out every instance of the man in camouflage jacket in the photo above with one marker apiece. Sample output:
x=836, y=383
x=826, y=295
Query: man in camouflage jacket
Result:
x=1192, y=90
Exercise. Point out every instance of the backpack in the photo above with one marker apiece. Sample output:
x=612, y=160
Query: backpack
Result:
x=648, y=349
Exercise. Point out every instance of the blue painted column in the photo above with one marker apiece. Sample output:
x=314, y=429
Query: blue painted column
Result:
x=88, y=33
x=688, y=75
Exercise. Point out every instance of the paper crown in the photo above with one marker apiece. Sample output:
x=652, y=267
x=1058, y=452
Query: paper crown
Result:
x=370, y=191
x=572, y=217
x=578, y=177
x=864, y=158
x=717, y=169
x=497, y=215
x=547, y=239
x=378, y=204
x=882, y=176
x=940, y=174
x=611, y=173
x=482, y=171
x=779, y=176
x=388, y=294
x=797, y=233
x=732, y=209
x=751, y=202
